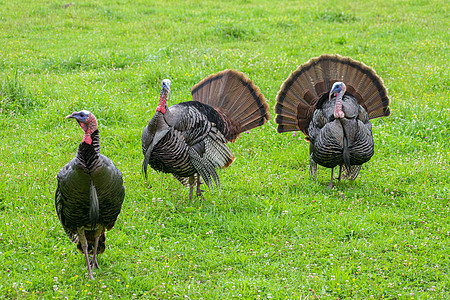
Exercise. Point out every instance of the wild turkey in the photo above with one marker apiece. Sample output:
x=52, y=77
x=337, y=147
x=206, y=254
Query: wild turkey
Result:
x=90, y=193
x=189, y=139
x=331, y=99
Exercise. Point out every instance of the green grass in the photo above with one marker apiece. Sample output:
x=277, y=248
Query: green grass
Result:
x=272, y=232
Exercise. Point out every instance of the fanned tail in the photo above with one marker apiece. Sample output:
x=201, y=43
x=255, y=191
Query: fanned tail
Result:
x=301, y=92
x=237, y=99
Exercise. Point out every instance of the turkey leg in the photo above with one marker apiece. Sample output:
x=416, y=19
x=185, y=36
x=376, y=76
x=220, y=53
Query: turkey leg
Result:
x=331, y=183
x=94, y=263
x=340, y=173
x=84, y=246
x=199, y=191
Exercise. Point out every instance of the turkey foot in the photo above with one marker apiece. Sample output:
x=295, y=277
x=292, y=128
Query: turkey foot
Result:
x=199, y=193
x=94, y=263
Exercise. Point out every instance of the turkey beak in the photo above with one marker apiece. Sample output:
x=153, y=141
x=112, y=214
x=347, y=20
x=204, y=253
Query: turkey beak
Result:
x=166, y=90
x=331, y=95
x=75, y=116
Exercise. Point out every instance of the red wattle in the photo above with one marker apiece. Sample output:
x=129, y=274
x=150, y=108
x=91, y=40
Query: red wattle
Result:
x=161, y=108
x=87, y=139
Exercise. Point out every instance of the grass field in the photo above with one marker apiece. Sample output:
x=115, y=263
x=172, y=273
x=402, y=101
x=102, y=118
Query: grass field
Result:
x=272, y=232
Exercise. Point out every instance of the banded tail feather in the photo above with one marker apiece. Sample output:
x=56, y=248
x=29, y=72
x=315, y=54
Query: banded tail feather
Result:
x=234, y=94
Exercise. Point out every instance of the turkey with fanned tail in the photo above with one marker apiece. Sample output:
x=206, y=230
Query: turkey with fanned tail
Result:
x=90, y=193
x=189, y=139
x=331, y=99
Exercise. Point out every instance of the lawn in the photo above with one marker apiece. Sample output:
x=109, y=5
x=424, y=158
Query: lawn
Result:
x=272, y=232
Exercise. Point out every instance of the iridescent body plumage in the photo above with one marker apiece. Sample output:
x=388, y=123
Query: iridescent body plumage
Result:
x=90, y=193
x=331, y=99
x=189, y=139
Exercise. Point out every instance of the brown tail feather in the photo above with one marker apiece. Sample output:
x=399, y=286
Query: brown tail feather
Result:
x=91, y=243
x=300, y=93
x=235, y=96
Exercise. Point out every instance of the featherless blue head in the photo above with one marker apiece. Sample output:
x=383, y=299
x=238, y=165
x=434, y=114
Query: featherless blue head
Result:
x=337, y=87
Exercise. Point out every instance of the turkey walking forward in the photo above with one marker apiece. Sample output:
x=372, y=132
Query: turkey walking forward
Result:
x=189, y=139
x=331, y=99
x=90, y=193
